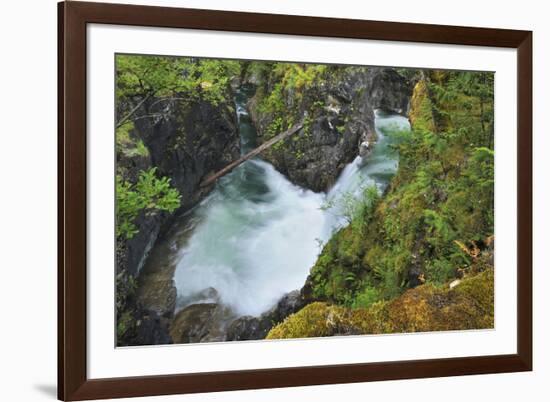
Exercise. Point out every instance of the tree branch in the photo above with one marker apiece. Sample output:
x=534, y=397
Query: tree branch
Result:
x=125, y=118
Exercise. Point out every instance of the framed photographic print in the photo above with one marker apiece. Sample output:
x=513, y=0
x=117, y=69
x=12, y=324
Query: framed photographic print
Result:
x=253, y=200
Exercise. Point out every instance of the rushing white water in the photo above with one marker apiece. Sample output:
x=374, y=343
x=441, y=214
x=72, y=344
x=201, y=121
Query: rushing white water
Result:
x=258, y=235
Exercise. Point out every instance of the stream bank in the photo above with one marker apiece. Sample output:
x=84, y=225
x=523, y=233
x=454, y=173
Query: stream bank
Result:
x=223, y=270
x=240, y=257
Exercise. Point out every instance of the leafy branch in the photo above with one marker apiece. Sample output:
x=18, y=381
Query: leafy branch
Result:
x=149, y=194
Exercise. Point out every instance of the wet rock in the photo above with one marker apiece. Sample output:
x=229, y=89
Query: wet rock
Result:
x=252, y=328
x=364, y=148
x=202, y=322
x=158, y=293
x=208, y=295
x=138, y=326
x=389, y=91
x=151, y=329
x=289, y=304
x=248, y=328
x=192, y=140
x=191, y=324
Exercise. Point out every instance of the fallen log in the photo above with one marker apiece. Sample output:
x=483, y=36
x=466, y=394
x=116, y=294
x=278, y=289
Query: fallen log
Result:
x=279, y=137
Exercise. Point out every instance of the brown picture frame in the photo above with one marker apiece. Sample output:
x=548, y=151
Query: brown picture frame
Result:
x=73, y=383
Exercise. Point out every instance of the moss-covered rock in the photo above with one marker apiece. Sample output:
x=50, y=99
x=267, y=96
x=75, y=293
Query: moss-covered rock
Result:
x=420, y=114
x=468, y=305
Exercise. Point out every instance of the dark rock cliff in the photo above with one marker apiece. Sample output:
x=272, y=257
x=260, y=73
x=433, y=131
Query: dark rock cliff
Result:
x=338, y=112
x=389, y=91
x=185, y=140
x=192, y=140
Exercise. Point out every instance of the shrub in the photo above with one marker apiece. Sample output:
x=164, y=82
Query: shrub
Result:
x=148, y=195
x=442, y=193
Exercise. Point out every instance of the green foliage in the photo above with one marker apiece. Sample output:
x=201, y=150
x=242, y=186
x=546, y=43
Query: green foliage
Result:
x=442, y=194
x=142, y=77
x=148, y=195
x=357, y=210
x=362, y=210
x=274, y=102
x=127, y=143
x=125, y=323
x=298, y=76
x=339, y=281
x=122, y=134
x=141, y=149
x=366, y=297
x=162, y=76
x=258, y=69
x=290, y=84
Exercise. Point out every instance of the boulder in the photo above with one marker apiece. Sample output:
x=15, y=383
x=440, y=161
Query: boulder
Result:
x=138, y=326
x=468, y=305
x=191, y=324
x=251, y=328
x=151, y=329
x=201, y=322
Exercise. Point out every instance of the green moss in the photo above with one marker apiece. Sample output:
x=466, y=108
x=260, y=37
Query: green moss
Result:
x=420, y=114
x=366, y=297
x=141, y=149
x=441, y=194
x=125, y=323
x=282, y=100
x=316, y=319
x=127, y=142
x=468, y=305
x=122, y=133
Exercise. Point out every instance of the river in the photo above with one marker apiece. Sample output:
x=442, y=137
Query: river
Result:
x=256, y=235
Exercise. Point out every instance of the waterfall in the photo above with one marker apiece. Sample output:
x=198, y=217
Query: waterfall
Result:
x=258, y=235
